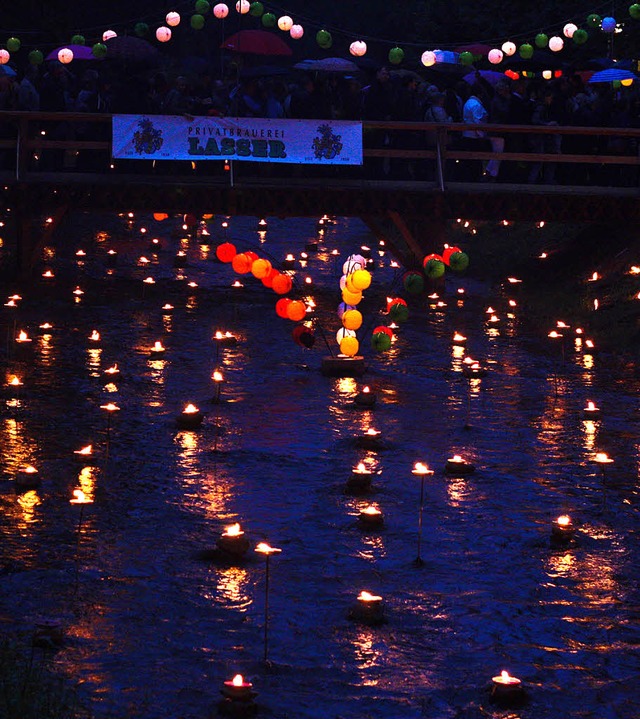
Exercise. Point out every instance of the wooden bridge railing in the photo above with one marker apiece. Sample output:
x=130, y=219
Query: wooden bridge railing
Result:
x=71, y=147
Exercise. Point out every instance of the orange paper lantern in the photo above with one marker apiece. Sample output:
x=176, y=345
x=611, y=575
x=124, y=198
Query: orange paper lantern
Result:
x=296, y=310
x=281, y=284
x=260, y=268
x=241, y=263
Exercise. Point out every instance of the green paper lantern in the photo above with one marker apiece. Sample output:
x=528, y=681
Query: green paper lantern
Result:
x=324, y=39
x=526, y=51
x=399, y=312
x=542, y=40
x=269, y=19
x=380, y=341
x=78, y=40
x=256, y=9
x=459, y=261
x=197, y=21
x=99, y=50
x=141, y=29
x=616, y=84
x=634, y=11
x=202, y=7
x=396, y=55
x=434, y=269
x=594, y=20
x=413, y=282
x=36, y=57
x=466, y=58
x=581, y=36
x=13, y=44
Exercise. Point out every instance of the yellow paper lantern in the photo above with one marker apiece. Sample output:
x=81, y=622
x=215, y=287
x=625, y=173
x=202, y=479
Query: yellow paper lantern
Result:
x=361, y=279
x=349, y=346
x=352, y=319
x=260, y=268
x=351, y=298
x=296, y=310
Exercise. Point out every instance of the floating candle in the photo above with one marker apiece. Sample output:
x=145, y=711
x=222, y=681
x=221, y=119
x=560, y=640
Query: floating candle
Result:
x=158, y=348
x=23, y=337
x=225, y=338
x=457, y=465
x=562, y=529
x=459, y=339
x=506, y=689
x=371, y=439
x=238, y=689
x=591, y=411
x=369, y=609
x=360, y=479
x=365, y=398
x=27, y=477
x=233, y=541
x=190, y=417
x=371, y=517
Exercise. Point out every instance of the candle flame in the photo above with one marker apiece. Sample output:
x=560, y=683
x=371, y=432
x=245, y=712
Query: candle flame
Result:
x=635, y=270
x=457, y=337
x=94, y=336
x=264, y=548
x=365, y=596
x=591, y=407
x=29, y=469
x=589, y=344
x=23, y=336
x=564, y=520
x=111, y=407
x=421, y=468
x=602, y=458
x=158, y=347
x=238, y=680
x=85, y=450
x=371, y=510
x=372, y=432
x=217, y=376
x=361, y=468
x=15, y=381
x=112, y=370
x=190, y=409
x=554, y=335
x=513, y=280
x=79, y=497
x=167, y=306
x=456, y=458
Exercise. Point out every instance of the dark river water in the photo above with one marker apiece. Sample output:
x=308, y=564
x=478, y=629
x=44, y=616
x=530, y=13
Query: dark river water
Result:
x=154, y=623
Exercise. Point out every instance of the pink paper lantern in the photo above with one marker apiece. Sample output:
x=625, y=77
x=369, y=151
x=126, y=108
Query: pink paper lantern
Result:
x=65, y=55
x=556, y=43
x=495, y=56
x=220, y=11
x=163, y=34
x=285, y=23
x=173, y=19
x=108, y=34
x=358, y=48
x=4, y=57
x=243, y=6
x=296, y=32
x=428, y=58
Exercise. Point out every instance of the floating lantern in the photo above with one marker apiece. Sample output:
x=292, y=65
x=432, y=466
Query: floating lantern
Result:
x=366, y=398
x=27, y=477
x=225, y=338
x=472, y=369
x=371, y=440
x=368, y=609
x=506, y=690
x=591, y=412
x=190, y=417
x=158, y=348
x=562, y=529
x=218, y=379
x=458, y=466
x=84, y=453
x=110, y=407
x=233, y=541
x=371, y=518
x=459, y=340
x=360, y=478
x=238, y=689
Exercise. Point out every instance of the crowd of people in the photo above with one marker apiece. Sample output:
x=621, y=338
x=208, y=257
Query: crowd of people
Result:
x=386, y=94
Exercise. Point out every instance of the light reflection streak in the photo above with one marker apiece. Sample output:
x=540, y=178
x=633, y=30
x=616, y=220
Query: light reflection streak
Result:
x=28, y=501
x=366, y=654
x=232, y=588
x=87, y=481
x=93, y=361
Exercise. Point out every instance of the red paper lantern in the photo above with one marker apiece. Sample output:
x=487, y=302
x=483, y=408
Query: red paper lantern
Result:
x=281, y=284
x=241, y=263
x=160, y=216
x=395, y=301
x=225, y=252
x=432, y=256
x=296, y=310
x=267, y=281
x=281, y=307
x=383, y=328
x=446, y=255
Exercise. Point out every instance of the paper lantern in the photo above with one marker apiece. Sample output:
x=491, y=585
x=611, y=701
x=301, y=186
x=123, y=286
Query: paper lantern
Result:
x=13, y=44
x=466, y=58
x=431, y=256
x=342, y=333
x=260, y=268
x=459, y=261
x=495, y=56
x=361, y=279
x=253, y=256
x=380, y=341
x=399, y=312
x=547, y=74
x=349, y=346
x=296, y=310
x=141, y=29
x=353, y=263
x=202, y=7
x=267, y=281
x=526, y=51
x=541, y=40
x=285, y=23
x=160, y=216
x=413, y=282
x=569, y=30
x=627, y=82
x=385, y=330
x=98, y=50
x=608, y=24
x=434, y=269
x=447, y=252
x=65, y=55
x=243, y=7
x=4, y=57
x=580, y=36
x=509, y=48
x=269, y=20
x=296, y=32
x=303, y=336
x=394, y=301
x=358, y=48
x=352, y=319
x=428, y=58
x=396, y=55
x=197, y=21
x=281, y=284
x=342, y=308
x=281, y=307
x=108, y=34
x=593, y=20
x=75, y=40
x=324, y=39
x=225, y=252
x=163, y=34
x=256, y=9
x=556, y=43
x=351, y=298
x=220, y=11
x=634, y=11
x=173, y=19
x=241, y=263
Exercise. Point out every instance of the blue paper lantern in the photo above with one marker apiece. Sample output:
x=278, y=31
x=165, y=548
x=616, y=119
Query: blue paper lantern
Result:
x=608, y=24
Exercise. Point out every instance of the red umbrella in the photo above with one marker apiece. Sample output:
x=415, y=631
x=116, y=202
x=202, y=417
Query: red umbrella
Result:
x=256, y=42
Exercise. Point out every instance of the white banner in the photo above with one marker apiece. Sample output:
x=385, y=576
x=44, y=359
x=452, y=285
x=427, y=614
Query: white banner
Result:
x=170, y=137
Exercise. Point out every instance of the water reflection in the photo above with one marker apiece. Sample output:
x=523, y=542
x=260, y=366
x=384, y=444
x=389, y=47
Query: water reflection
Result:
x=28, y=501
x=232, y=585
x=367, y=654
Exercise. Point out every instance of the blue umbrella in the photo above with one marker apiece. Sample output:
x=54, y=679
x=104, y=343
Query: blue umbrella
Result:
x=7, y=70
x=611, y=74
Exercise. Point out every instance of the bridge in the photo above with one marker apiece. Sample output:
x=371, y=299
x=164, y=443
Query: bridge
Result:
x=415, y=178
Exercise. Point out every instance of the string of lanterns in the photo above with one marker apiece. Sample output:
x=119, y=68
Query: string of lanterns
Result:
x=358, y=47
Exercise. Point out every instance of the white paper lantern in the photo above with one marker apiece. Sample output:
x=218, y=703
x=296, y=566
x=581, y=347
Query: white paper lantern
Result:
x=495, y=56
x=344, y=332
x=509, y=48
x=243, y=6
x=296, y=32
x=173, y=19
x=547, y=74
x=220, y=10
x=358, y=48
x=569, y=29
x=285, y=23
x=428, y=58
x=556, y=43
x=163, y=34
x=65, y=55
x=4, y=57
x=108, y=34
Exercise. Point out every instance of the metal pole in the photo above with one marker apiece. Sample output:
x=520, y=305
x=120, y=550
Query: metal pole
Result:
x=419, y=561
x=266, y=612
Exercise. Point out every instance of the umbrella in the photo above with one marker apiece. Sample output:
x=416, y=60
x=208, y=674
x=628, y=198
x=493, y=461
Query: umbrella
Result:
x=7, y=71
x=491, y=76
x=256, y=42
x=611, y=74
x=334, y=64
x=130, y=49
x=80, y=52
x=447, y=56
